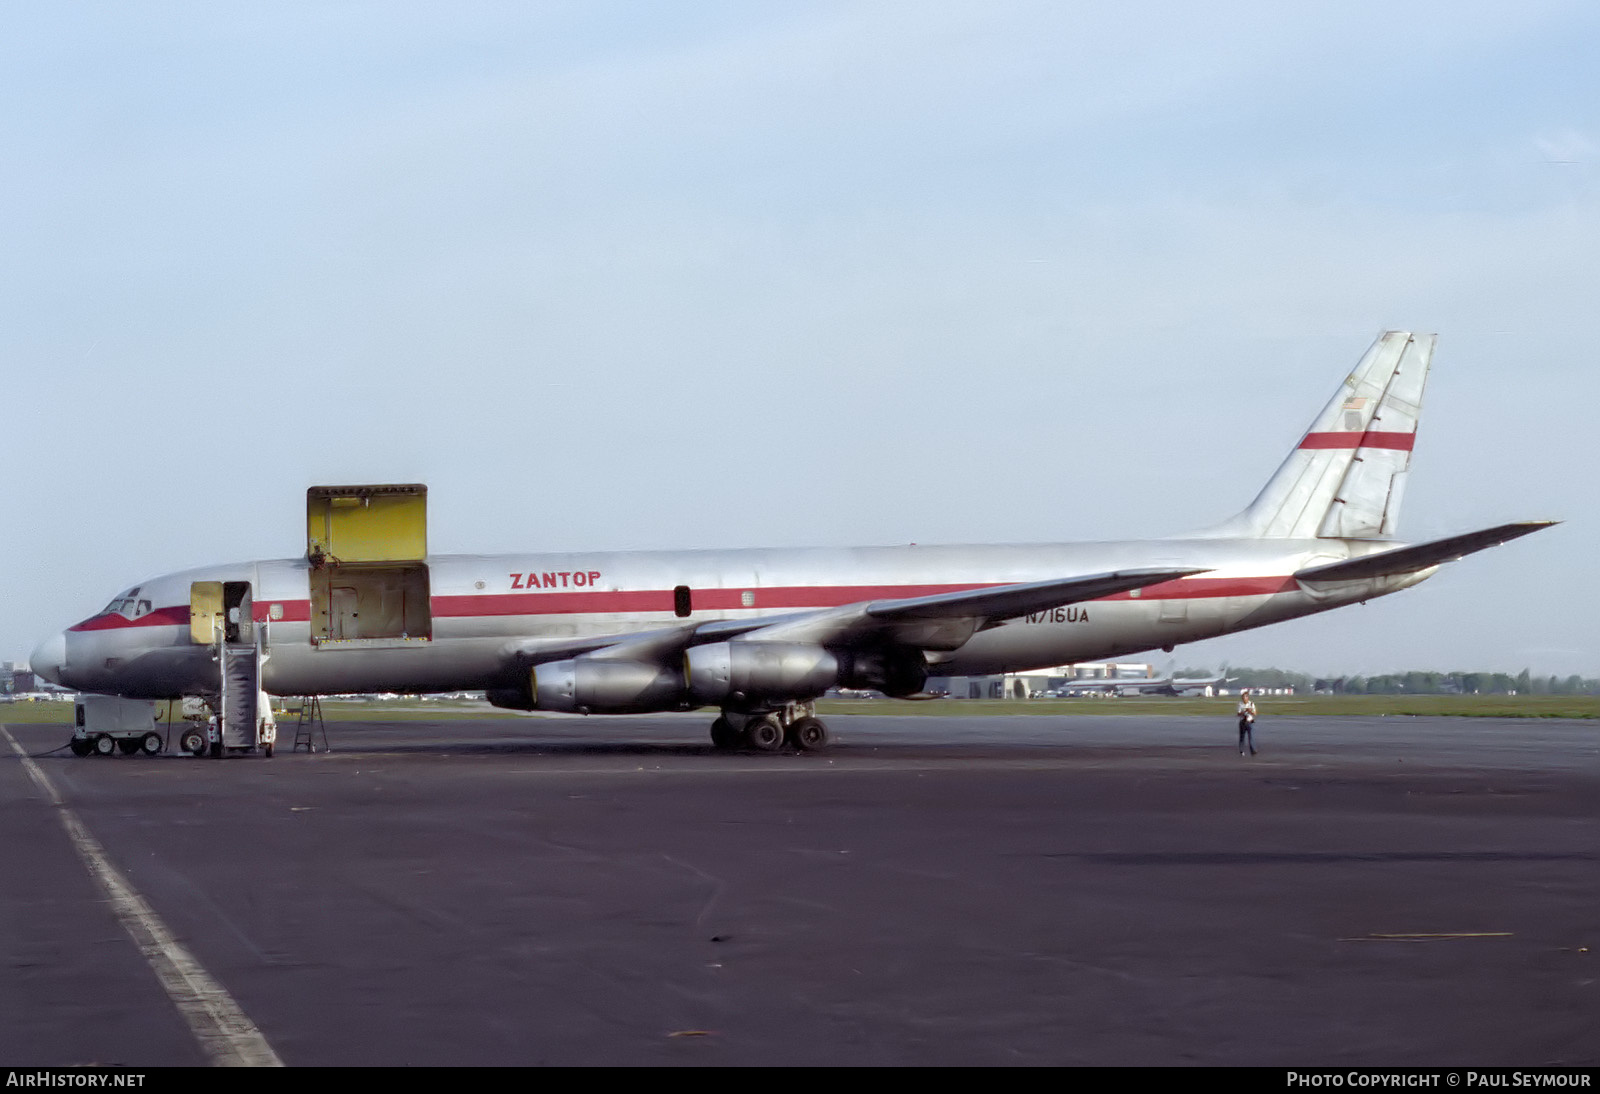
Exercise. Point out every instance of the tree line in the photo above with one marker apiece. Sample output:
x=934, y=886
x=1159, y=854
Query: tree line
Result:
x=1407, y=683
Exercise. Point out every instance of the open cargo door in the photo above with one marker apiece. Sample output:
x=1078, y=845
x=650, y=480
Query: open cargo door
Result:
x=367, y=547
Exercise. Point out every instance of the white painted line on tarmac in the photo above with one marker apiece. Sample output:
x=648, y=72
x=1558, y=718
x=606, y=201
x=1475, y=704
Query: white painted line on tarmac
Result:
x=225, y=1034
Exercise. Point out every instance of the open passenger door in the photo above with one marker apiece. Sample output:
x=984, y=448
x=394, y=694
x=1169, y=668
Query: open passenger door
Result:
x=205, y=611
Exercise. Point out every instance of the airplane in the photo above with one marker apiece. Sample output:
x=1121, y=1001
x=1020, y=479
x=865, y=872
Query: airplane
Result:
x=760, y=634
x=1166, y=685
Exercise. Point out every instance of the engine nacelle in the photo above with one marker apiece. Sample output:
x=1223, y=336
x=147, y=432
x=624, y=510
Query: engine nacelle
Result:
x=509, y=698
x=589, y=685
x=756, y=672
x=895, y=671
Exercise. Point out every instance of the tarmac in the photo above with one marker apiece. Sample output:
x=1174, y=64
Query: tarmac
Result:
x=932, y=890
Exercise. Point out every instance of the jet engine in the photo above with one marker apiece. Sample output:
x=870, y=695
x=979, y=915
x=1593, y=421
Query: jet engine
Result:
x=897, y=671
x=590, y=685
x=510, y=698
x=742, y=673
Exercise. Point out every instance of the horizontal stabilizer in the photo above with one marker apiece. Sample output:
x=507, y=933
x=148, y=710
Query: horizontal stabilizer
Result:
x=1405, y=560
x=1009, y=601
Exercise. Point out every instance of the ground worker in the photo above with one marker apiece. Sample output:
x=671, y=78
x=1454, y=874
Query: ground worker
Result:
x=1247, y=719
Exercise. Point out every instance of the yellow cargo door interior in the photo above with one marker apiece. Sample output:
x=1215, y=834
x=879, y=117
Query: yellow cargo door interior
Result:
x=378, y=524
x=367, y=547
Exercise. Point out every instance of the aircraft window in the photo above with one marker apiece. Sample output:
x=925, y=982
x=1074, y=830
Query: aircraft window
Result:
x=680, y=601
x=127, y=604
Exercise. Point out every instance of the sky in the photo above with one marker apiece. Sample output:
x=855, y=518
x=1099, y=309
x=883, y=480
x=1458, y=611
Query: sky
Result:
x=659, y=275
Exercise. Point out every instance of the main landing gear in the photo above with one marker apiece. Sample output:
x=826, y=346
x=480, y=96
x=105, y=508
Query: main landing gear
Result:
x=796, y=726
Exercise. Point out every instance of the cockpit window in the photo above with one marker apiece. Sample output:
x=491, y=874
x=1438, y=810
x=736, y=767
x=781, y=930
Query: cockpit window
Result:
x=127, y=604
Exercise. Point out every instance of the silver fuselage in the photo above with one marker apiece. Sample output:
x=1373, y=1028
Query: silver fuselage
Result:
x=492, y=613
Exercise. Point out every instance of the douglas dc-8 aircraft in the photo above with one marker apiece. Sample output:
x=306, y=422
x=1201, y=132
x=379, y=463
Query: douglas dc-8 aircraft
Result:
x=1166, y=685
x=761, y=633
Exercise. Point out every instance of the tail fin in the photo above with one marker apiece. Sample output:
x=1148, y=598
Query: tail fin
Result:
x=1346, y=477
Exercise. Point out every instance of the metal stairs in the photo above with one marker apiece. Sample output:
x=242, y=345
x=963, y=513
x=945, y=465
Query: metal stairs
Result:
x=245, y=711
x=241, y=690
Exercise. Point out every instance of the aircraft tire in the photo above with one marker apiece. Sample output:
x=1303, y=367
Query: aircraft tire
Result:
x=764, y=734
x=266, y=750
x=192, y=741
x=216, y=750
x=80, y=747
x=104, y=746
x=151, y=744
x=808, y=734
x=128, y=745
x=723, y=735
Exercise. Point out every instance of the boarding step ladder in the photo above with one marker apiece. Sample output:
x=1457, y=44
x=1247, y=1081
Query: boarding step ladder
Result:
x=241, y=691
x=308, y=720
x=246, y=712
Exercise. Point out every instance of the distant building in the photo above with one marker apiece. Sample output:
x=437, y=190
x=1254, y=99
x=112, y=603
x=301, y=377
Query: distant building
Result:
x=15, y=679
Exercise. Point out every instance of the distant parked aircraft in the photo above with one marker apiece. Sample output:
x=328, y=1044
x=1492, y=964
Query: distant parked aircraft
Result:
x=1166, y=685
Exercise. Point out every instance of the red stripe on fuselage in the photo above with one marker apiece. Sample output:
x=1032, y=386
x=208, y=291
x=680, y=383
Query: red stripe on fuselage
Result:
x=1204, y=588
x=1402, y=442
x=598, y=602
x=161, y=617
x=661, y=600
x=289, y=611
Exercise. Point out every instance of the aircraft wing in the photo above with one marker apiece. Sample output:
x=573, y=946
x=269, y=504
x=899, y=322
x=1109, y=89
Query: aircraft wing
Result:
x=1010, y=601
x=941, y=621
x=639, y=645
x=944, y=621
x=1405, y=560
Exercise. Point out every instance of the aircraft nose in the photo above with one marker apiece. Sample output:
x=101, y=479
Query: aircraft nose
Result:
x=49, y=659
